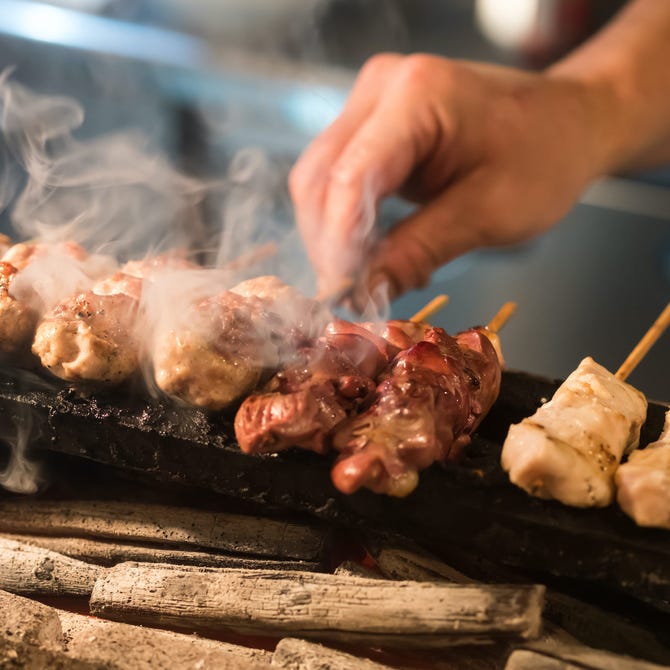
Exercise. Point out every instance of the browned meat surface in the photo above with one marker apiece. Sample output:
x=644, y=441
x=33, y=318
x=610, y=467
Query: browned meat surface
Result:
x=334, y=379
x=400, y=334
x=427, y=404
x=17, y=319
x=150, y=266
x=303, y=317
x=219, y=351
x=91, y=337
x=22, y=254
x=222, y=348
x=302, y=404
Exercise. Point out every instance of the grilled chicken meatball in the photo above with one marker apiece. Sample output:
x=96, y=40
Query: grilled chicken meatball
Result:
x=91, y=337
x=22, y=254
x=17, y=320
x=226, y=345
x=218, y=352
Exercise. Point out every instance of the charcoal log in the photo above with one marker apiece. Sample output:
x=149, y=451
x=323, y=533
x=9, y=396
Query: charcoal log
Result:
x=128, y=647
x=107, y=553
x=32, y=570
x=319, y=605
x=574, y=658
x=235, y=533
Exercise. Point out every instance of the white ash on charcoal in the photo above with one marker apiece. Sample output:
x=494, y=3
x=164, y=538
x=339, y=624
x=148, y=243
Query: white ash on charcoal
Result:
x=35, y=636
x=31, y=638
x=107, y=553
x=161, y=524
x=574, y=657
x=355, y=610
x=31, y=570
x=353, y=569
x=296, y=654
x=128, y=647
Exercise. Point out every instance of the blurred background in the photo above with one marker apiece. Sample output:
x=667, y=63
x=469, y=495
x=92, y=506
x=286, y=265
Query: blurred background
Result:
x=247, y=83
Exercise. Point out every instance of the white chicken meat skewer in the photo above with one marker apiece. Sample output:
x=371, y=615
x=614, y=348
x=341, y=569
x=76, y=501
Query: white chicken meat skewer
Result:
x=643, y=482
x=569, y=450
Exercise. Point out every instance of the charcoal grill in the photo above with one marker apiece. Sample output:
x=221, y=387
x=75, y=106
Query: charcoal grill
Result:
x=468, y=509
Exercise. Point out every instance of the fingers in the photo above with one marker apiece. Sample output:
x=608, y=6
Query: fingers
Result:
x=400, y=130
x=310, y=176
x=447, y=227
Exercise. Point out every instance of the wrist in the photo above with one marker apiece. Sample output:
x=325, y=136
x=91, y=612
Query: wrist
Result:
x=602, y=101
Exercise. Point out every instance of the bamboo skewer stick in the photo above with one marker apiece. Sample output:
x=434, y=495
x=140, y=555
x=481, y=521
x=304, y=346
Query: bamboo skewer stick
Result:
x=643, y=346
x=501, y=318
x=435, y=305
x=335, y=293
x=251, y=257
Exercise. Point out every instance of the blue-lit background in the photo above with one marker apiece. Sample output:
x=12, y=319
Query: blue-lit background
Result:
x=204, y=80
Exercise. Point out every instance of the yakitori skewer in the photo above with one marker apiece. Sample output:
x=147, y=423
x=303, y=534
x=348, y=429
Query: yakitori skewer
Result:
x=571, y=448
x=435, y=305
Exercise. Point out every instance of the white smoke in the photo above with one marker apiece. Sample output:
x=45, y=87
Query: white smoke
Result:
x=21, y=474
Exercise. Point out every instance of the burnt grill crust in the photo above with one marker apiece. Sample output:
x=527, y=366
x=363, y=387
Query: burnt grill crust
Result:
x=468, y=508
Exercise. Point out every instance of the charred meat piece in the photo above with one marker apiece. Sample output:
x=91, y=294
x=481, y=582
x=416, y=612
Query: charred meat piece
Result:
x=427, y=404
x=303, y=403
x=225, y=346
x=569, y=450
x=368, y=351
x=332, y=380
x=397, y=333
x=17, y=319
x=643, y=482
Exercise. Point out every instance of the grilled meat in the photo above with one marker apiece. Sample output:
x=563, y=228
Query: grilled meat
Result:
x=303, y=317
x=643, y=482
x=24, y=253
x=228, y=344
x=428, y=402
x=17, y=319
x=303, y=403
x=219, y=353
x=571, y=447
x=91, y=336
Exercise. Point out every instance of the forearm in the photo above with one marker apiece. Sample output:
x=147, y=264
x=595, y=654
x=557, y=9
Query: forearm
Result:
x=627, y=67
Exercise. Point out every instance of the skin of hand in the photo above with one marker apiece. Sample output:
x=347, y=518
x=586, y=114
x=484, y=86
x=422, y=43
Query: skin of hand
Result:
x=492, y=156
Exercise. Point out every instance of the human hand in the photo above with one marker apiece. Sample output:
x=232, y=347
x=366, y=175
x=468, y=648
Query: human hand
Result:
x=492, y=155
